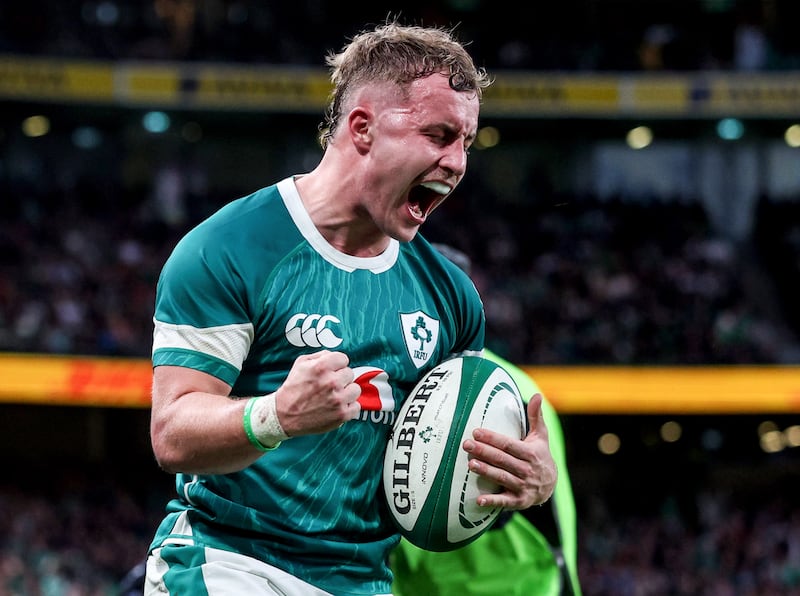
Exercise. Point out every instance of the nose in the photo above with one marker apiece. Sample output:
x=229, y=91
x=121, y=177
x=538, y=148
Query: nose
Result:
x=454, y=159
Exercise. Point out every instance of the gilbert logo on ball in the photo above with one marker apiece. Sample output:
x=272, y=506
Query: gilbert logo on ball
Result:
x=430, y=490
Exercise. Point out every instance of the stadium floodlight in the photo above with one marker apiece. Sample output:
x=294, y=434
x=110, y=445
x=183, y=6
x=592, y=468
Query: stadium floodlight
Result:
x=609, y=443
x=792, y=135
x=730, y=129
x=156, y=122
x=36, y=126
x=86, y=137
x=671, y=431
x=639, y=137
x=487, y=137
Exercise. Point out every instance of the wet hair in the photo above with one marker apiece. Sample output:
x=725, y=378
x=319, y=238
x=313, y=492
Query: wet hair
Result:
x=398, y=54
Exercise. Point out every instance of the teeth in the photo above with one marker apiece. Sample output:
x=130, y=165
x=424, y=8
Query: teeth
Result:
x=437, y=187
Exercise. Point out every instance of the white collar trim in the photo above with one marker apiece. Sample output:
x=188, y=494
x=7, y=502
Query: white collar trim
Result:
x=301, y=218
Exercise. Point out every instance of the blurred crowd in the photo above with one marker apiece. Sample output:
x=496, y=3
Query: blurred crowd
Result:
x=565, y=279
x=79, y=535
x=727, y=549
x=585, y=282
x=618, y=283
x=75, y=282
x=87, y=536
x=571, y=280
x=572, y=35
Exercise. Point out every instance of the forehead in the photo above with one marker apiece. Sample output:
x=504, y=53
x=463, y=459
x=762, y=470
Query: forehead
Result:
x=431, y=100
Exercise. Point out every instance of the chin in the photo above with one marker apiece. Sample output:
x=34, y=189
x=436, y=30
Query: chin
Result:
x=406, y=235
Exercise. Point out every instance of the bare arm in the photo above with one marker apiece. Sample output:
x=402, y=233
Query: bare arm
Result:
x=196, y=426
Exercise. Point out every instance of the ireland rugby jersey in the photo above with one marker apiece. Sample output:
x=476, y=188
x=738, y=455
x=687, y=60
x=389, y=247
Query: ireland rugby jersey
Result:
x=242, y=296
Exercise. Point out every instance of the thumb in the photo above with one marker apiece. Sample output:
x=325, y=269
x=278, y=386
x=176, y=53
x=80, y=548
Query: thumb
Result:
x=535, y=417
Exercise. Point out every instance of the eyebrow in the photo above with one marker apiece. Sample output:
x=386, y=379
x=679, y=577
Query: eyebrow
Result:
x=451, y=130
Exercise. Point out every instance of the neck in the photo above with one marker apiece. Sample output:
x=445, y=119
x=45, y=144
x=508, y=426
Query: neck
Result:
x=333, y=207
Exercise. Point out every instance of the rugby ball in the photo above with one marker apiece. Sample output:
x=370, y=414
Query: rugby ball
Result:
x=430, y=491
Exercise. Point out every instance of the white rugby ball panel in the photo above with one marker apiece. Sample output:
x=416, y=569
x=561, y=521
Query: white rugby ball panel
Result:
x=498, y=406
x=430, y=490
x=419, y=440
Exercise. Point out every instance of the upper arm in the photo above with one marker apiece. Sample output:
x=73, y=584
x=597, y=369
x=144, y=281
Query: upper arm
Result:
x=202, y=319
x=170, y=383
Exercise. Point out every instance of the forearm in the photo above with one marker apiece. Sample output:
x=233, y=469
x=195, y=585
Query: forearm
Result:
x=196, y=428
x=201, y=433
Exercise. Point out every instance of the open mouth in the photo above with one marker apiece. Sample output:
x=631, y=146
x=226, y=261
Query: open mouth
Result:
x=425, y=197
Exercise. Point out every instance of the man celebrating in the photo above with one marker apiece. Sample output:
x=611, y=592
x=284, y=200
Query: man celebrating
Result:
x=284, y=340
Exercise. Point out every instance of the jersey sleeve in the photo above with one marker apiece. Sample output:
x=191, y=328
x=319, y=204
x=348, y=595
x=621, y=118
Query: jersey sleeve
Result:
x=201, y=317
x=469, y=314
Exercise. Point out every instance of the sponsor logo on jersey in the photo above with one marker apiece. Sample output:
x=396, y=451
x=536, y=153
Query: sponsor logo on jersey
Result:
x=420, y=333
x=313, y=331
x=376, y=393
x=376, y=399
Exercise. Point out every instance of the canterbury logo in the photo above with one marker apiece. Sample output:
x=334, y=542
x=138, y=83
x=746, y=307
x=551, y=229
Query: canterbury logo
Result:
x=313, y=331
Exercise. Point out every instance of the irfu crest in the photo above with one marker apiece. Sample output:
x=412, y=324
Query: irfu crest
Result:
x=421, y=334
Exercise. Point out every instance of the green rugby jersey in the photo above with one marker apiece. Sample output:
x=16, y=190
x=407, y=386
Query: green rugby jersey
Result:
x=242, y=296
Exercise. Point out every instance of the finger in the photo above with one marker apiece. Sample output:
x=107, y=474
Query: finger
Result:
x=325, y=360
x=536, y=422
x=344, y=377
x=313, y=355
x=505, y=500
x=350, y=393
x=351, y=412
x=525, y=483
x=335, y=360
x=505, y=470
x=495, y=455
x=493, y=446
x=501, y=470
x=326, y=367
x=356, y=410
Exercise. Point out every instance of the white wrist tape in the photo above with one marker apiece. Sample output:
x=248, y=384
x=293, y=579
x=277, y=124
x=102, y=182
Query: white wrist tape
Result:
x=261, y=423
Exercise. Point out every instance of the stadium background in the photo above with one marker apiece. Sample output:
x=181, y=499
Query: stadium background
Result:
x=631, y=211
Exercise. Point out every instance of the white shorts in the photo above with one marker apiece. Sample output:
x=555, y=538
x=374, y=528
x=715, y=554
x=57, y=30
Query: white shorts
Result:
x=188, y=569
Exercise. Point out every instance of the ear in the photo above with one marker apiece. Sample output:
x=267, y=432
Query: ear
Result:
x=359, y=126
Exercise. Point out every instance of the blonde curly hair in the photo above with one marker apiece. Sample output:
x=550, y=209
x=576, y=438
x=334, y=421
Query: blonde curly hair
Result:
x=397, y=54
